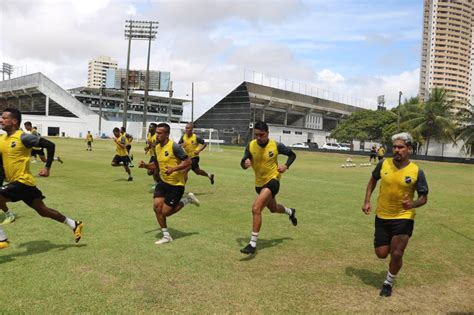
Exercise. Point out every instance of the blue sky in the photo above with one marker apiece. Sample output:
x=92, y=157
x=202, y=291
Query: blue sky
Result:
x=358, y=48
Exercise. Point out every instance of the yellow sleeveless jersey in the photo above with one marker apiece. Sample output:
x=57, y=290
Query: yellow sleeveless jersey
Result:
x=124, y=141
x=191, y=144
x=395, y=183
x=16, y=159
x=170, y=155
x=89, y=137
x=150, y=140
x=264, y=162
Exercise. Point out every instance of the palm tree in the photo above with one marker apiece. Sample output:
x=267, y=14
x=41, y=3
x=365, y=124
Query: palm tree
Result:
x=432, y=119
x=465, y=130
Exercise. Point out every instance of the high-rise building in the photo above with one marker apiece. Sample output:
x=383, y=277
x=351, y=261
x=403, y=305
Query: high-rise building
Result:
x=447, y=55
x=97, y=71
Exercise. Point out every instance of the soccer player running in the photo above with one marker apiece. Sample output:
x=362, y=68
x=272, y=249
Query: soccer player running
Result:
x=193, y=145
x=89, y=139
x=121, y=155
x=395, y=212
x=171, y=161
x=15, y=148
x=262, y=154
x=150, y=149
x=129, y=137
x=37, y=151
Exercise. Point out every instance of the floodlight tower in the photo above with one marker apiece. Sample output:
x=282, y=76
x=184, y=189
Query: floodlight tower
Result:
x=8, y=69
x=141, y=30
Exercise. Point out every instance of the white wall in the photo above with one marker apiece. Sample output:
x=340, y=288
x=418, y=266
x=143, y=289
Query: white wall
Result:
x=448, y=150
x=276, y=133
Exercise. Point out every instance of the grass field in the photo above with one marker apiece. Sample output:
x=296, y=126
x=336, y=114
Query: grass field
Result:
x=324, y=265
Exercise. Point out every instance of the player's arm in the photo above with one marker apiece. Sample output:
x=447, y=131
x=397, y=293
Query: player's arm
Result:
x=202, y=143
x=246, y=161
x=30, y=140
x=119, y=143
x=366, y=207
x=180, y=154
x=283, y=149
x=181, y=142
x=422, y=191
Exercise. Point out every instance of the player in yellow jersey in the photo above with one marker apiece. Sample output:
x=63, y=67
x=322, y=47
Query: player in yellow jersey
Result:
x=193, y=145
x=262, y=154
x=36, y=151
x=395, y=212
x=121, y=154
x=171, y=161
x=150, y=149
x=89, y=139
x=15, y=149
x=380, y=153
x=129, y=138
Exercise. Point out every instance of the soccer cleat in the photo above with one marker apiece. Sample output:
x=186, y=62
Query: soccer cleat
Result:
x=212, y=179
x=78, y=230
x=292, y=217
x=386, y=290
x=164, y=240
x=59, y=160
x=193, y=200
x=4, y=244
x=249, y=250
x=9, y=218
x=130, y=179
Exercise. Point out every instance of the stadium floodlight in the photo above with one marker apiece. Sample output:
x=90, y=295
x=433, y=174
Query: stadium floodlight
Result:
x=140, y=30
x=8, y=69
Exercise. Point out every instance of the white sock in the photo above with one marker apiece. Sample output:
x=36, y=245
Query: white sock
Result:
x=288, y=211
x=253, y=239
x=390, y=279
x=185, y=200
x=166, y=233
x=71, y=223
x=3, y=235
x=9, y=213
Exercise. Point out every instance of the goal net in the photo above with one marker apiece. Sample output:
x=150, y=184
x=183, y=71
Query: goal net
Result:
x=211, y=137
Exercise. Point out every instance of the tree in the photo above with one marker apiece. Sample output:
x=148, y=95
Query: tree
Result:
x=433, y=119
x=465, y=127
x=363, y=125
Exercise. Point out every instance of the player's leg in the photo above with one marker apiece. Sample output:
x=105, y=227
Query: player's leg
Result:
x=3, y=239
x=263, y=198
x=198, y=171
x=6, y=196
x=126, y=161
x=38, y=205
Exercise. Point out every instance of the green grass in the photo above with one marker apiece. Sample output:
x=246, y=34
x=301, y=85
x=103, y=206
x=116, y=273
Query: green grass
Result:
x=324, y=265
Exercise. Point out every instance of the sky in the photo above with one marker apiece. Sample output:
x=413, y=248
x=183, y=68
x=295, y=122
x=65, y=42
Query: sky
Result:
x=360, y=48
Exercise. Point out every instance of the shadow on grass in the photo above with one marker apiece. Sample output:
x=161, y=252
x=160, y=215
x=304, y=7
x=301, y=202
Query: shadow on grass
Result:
x=458, y=233
x=35, y=247
x=368, y=277
x=261, y=244
x=175, y=234
x=121, y=180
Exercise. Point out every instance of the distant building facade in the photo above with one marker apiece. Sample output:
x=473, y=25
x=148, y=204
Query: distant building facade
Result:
x=447, y=56
x=97, y=71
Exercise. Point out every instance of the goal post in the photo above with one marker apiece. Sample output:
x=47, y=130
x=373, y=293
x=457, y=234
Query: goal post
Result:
x=211, y=138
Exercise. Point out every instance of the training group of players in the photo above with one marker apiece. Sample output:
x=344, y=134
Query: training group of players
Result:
x=170, y=163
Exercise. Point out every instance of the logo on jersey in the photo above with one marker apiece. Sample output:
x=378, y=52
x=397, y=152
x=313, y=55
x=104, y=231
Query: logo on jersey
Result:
x=166, y=153
x=407, y=179
x=13, y=144
x=270, y=154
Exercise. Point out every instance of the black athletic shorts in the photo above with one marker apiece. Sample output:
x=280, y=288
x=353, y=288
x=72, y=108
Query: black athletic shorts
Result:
x=373, y=155
x=89, y=143
x=171, y=193
x=17, y=191
x=386, y=229
x=121, y=159
x=195, y=163
x=273, y=185
x=37, y=152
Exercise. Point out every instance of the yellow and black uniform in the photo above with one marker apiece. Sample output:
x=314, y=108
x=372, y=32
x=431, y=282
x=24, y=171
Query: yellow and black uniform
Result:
x=380, y=153
x=391, y=218
x=191, y=144
x=150, y=140
x=121, y=154
x=265, y=163
x=170, y=186
x=89, y=139
x=16, y=151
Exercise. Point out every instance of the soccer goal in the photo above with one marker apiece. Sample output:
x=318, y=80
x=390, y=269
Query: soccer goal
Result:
x=211, y=137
